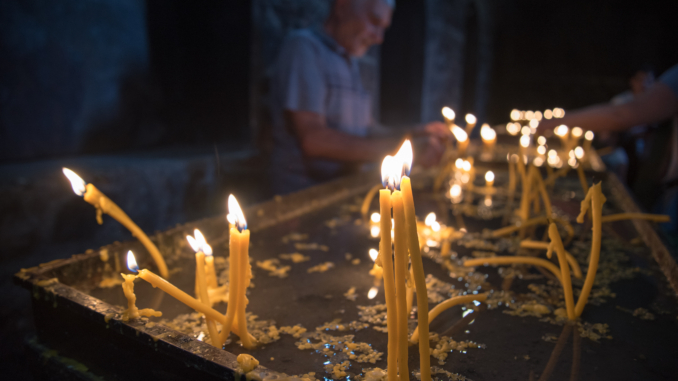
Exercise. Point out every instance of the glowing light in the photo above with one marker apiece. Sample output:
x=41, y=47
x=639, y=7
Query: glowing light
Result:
x=579, y=152
x=372, y=293
x=375, y=217
x=538, y=115
x=471, y=119
x=459, y=134
x=374, y=231
x=522, y=115
x=529, y=114
x=234, y=209
x=525, y=141
x=577, y=132
x=466, y=166
x=526, y=130
x=589, y=135
x=465, y=178
x=448, y=113
x=571, y=154
x=488, y=201
x=534, y=123
x=572, y=162
x=435, y=226
x=538, y=161
x=405, y=156
x=77, y=183
x=487, y=133
x=561, y=130
x=455, y=190
x=132, y=262
x=459, y=163
x=513, y=128
x=541, y=140
x=430, y=218
x=541, y=150
x=230, y=219
x=515, y=114
x=548, y=114
x=558, y=112
x=373, y=254
x=489, y=176
x=199, y=243
x=391, y=172
x=553, y=153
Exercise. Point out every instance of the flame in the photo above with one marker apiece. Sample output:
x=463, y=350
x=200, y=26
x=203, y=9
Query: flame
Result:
x=405, y=156
x=577, y=132
x=553, y=153
x=430, y=218
x=526, y=130
x=375, y=217
x=561, y=130
x=466, y=166
x=579, y=152
x=541, y=140
x=200, y=244
x=374, y=231
x=471, y=119
x=132, y=262
x=534, y=123
x=193, y=243
x=488, y=201
x=77, y=182
x=435, y=226
x=455, y=191
x=373, y=254
x=391, y=172
x=589, y=135
x=548, y=114
x=230, y=219
x=513, y=128
x=459, y=134
x=541, y=150
x=489, y=176
x=487, y=133
x=448, y=113
x=459, y=163
x=538, y=115
x=538, y=161
x=529, y=114
x=234, y=209
x=515, y=114
x=572, y=162
x=372, y=293
x=525, y=141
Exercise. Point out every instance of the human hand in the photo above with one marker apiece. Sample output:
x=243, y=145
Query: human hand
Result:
x=436, y=129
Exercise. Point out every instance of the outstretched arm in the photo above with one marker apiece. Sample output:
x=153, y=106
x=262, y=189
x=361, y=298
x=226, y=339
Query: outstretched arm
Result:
x=657, y=104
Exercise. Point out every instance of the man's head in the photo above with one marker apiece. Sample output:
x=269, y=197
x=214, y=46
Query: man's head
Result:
x=358, y=24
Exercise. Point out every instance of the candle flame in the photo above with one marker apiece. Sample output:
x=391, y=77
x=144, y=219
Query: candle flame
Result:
x=488, y=201
x=455, y=190
x=459, y=163
x=541, y=140
x=77, y=182
x=405, y=156
x=487, y=133
x=548, y=114
x=373, y=254
x=374, y=231
x=529, y=114
x=525, y=130
x=577, y=132
x=132, y=262
x=375, y=217
x=459, y=134
x=561, y=130
x=372, y=293
x=579, y=152
x=515, y=114
x=448, y=113
x=538, y=115
x=525, y=141
x=541, y=150
x=234, y=209
x=471, y=119
x=513, y=128
x=199, y=243
x=230, y=219
x=588, y=135
x=435, y=226
x=430, y=219
x=391, y=172
x=534, y=123
x=193, y=243
x=489, y=176
x=538, y=161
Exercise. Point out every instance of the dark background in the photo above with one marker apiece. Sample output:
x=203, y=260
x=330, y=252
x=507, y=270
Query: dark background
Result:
x=162, y=103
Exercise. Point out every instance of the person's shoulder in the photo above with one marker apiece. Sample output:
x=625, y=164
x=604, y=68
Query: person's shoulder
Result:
x=302, y=38
x=670, y=78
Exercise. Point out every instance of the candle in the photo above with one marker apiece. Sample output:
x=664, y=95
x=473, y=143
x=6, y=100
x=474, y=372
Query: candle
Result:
x=197, y=244
x=524, y=143
x=173, y=291
x=470, y=123
x=449, y=116
x=385, y=260
x=132, y=312
x=417, y=265
x=462, y=139
x=557, y=244
x=489, y=136
x=595, y=200
x=240, y=273
x=400, y=249
x=563, y=133
x=104, y=204
x=489, y=179
x=588, y=137
x=515, y=115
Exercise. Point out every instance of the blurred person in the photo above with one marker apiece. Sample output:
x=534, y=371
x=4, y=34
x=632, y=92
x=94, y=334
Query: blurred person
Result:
x=322, y=122
x=656, y=186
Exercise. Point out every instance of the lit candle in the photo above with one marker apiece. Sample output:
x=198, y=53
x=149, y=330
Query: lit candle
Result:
x=132, y=312
x=197, y=244
x=104, y=204
x=489, y=136
x=449, y=115
x=385, y=260
x=524, y=143
x=240, y=273
x=563, y=133
x=470, y=123
x=489, y=179
x=462, y=139
x=515, y=115
x=400, y=249
x=419, y=276
x=588, y=136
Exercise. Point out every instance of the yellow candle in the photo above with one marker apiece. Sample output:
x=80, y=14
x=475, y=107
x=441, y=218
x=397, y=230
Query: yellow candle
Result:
x=447, y=304
x=386, y=261
x=489, y=136
x=471, y=121
x=132, y=311
x=198, y=244
x=588, y=139
x=462, y=139
x=400, y=248
x=211, y=273
x=365, y=208
x=245, y=277
x=104, y=204
x=566, y=281
x=595, y=200
x=635, y=216
x=449, y=115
